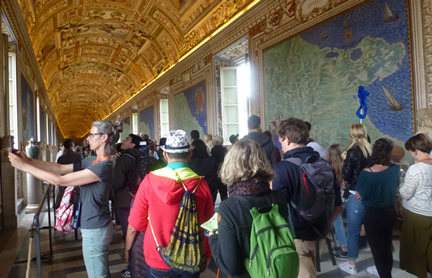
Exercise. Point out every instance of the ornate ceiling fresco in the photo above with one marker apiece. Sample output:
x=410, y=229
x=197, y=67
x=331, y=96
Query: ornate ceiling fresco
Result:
x=96, y=54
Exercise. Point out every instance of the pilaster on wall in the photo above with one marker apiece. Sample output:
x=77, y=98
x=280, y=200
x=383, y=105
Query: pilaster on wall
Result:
x=426, y=15
x=4, y=85
x=421, y=19
x=10, y=218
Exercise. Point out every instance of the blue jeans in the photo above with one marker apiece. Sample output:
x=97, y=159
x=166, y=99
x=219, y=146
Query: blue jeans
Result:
x=355, y=212
x=166, y=273
x=95, y=244
x=340, y=233
x=123, y=214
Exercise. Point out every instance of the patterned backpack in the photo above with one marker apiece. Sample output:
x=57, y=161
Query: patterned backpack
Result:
x=142, y=166
x=65, y=212
x=185, y=251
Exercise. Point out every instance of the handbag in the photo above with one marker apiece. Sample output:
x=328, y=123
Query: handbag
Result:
x=65, y=212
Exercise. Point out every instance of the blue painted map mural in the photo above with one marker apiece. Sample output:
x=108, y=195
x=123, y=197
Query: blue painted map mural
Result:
x=27, y=110
x=146, y=121
x=315, y=76
x=190, y=111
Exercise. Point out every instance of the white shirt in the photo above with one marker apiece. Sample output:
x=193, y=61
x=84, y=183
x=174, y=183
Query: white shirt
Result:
x=416, y=190
x=318, y=148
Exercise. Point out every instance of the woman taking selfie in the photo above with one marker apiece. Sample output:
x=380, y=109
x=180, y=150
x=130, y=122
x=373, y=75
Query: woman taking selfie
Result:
x=94, y=175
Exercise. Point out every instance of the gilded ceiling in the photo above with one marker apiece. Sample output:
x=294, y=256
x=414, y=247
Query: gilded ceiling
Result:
x=96, y=54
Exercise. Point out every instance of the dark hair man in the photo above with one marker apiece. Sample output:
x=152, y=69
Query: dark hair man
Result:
x=293, y=135
x=255, y=134
x=123, y=171
x=203, y=164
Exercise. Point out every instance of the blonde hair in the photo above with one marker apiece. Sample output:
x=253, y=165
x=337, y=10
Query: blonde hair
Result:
x=334, y=157
x=245, y=161
x=208, y=138
x=358, y=134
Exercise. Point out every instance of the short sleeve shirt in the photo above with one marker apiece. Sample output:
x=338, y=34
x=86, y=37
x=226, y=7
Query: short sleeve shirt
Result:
x=94, y=197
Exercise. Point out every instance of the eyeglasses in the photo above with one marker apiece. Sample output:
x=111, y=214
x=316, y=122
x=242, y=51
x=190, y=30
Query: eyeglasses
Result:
x=93, y=134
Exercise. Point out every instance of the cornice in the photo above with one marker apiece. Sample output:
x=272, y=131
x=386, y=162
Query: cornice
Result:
x=15, y=18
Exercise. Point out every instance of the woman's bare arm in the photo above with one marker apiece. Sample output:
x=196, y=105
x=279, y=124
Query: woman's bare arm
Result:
x=72, y=179
x=59, y=169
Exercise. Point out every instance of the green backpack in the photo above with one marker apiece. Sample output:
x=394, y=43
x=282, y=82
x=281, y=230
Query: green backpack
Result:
x=272, y=248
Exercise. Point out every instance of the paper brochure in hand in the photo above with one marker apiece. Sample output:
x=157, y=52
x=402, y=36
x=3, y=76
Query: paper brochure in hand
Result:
x=212, y=223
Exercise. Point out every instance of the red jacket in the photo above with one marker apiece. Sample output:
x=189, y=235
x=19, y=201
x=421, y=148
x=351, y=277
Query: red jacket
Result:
x=159, y=197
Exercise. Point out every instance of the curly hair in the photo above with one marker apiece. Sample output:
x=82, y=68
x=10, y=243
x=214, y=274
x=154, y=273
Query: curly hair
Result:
x=295, y=129
x=381, y=152
x=246, y=161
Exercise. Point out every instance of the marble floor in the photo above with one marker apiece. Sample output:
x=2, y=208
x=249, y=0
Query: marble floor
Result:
x=67, y=258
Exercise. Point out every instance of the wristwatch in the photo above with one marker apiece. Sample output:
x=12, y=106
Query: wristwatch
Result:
x=127, y=250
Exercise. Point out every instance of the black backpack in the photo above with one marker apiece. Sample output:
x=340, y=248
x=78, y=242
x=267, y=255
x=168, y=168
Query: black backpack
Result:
x=317, y=195
x=142, y=168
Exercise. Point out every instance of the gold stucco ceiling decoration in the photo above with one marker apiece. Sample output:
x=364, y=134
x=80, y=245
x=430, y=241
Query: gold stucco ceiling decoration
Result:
x=96, y=54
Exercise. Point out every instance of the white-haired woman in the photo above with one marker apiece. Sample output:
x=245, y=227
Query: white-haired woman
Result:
x=357, y=158
x=247, y=173
x=95, y=178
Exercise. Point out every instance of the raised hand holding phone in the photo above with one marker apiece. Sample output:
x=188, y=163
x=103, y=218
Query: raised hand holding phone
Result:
x=11, y=143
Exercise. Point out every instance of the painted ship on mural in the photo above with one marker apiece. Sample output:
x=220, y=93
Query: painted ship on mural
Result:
x=389, y=16
x=394, y=104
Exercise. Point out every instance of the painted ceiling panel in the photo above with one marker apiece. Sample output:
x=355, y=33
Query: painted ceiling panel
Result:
x=96, y=54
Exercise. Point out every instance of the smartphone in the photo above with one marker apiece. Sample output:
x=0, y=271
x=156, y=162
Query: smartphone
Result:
x=11, y=143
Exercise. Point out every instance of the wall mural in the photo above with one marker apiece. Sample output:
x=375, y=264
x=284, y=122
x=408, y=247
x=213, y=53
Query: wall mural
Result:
x=190, y=111
x=43, y=135
x=146, y=121
x=126, y=128
x=315, y=76
x=27, y=110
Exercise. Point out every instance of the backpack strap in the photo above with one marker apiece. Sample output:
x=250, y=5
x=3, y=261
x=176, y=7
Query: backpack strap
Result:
x=296, y=160
x=290, y=222
x=129, y=155
x=154, y=236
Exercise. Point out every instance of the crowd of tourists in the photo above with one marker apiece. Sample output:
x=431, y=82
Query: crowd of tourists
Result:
x=277, y=206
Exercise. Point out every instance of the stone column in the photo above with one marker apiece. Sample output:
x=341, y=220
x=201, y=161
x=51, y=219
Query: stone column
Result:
x=8, y=190
x=34, y=186
x=43, y=151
